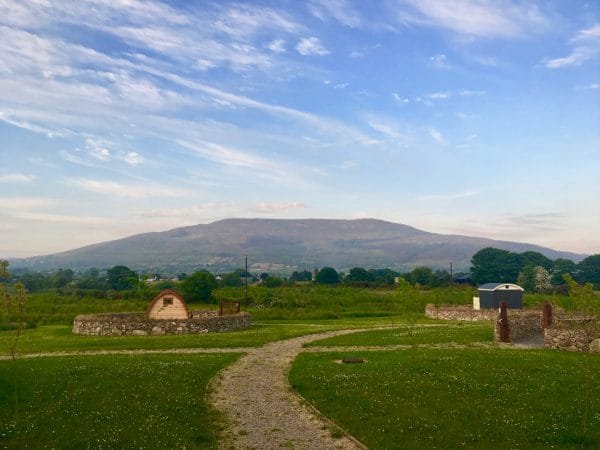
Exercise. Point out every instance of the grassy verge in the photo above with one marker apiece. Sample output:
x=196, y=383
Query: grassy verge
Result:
x=473, y=398
x=121, y=401
x=461, y=333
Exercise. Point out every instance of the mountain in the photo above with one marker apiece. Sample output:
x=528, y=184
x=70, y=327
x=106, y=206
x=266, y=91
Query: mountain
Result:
x=274, y=245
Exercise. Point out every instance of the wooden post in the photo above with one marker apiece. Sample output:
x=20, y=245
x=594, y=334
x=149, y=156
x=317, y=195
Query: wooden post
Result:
x=504, y=326
x=547, y=318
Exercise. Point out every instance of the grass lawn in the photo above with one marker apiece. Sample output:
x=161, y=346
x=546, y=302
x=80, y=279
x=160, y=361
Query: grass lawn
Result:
x=461, y=333
x=450, y=398
x=109, y=401
x=51, y=338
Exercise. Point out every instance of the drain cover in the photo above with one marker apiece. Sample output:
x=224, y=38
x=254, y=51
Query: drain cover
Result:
x=353, y=360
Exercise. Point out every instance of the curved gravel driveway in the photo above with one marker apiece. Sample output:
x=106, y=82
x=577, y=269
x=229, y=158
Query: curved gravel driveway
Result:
x=262, y=410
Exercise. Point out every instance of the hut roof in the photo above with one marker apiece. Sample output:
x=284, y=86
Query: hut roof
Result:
x=500, y=286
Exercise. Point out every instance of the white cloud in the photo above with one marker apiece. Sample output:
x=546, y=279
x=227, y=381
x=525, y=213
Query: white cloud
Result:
x=133, y=158
x=439, y=61
x=449, y=196
x=437, y=136
x=400, y=98
x=277, y=46
x=439, y=95
x=21, y=203
x=266, y=208
x=195, y=211
x=340, y=10
x=586, y=46
x=470, y=93
x=481, y=18
x=63, y=218
x=592, y=86
x=311, y=46
x=16, y=178
x=116, y=189
x=389, y=129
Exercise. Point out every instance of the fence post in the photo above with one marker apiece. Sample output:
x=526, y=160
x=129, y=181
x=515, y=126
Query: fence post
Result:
x=504, y=326
x=221, y=308
x=547, y=318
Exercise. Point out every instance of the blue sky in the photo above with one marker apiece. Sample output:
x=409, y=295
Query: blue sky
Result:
x=461, y=117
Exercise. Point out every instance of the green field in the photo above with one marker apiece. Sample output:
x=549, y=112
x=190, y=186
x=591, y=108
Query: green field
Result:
x=109, y=401
x=474, y=397
x=456, y=398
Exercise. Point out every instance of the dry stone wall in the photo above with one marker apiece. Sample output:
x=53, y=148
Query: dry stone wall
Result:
x=522, y=323
x=136, y=324
x=459, y=312
x=574, y=333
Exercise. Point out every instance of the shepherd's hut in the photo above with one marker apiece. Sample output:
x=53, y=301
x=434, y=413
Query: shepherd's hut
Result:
x=491, y=294
x=168, y=305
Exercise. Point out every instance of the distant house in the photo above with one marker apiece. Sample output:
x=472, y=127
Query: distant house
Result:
x=491, y=294
x=168, y=305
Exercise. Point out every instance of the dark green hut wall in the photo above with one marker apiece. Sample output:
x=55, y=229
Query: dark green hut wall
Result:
x=492, y=299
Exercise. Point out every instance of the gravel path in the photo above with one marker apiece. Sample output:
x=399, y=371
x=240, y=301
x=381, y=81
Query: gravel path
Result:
x=262, y=410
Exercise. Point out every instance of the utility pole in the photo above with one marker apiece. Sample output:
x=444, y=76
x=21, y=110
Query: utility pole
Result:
x=246, y=283
x=451, y=274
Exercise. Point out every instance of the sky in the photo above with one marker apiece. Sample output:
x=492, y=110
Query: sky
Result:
x=470, y=117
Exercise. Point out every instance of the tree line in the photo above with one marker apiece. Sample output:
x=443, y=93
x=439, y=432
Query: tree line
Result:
x=532, y=270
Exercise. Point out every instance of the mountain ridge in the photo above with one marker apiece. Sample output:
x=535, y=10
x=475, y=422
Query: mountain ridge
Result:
x=282, y=245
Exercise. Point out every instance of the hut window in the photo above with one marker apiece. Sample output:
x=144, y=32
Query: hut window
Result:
x=167, y=301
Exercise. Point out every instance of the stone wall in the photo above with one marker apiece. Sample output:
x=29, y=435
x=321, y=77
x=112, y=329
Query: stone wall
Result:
x=522, y=323
x=573, y=333
x=459, y=312
x=136, y=324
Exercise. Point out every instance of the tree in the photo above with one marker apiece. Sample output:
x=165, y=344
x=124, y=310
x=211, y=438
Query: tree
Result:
x=589, y=270
x=536, y=259
x=526, y=278
x=231, y=279
x=272, y=282
x=494, y=265
x=384, y=276
x=422, y=276
x=121, y=278
x=542, y=279
x=198, y=287
x=62, y=278
x=560, y=267
x=327, y=275
x=358, y=275
x=305, y=275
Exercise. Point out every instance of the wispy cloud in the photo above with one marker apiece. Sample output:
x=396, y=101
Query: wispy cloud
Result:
x=16, y=178
x=116, y=189
x=339, y=10
x=449, y=196
x=267, y=208
x=439, y=61
x=311, y=46
x=195, y=211
x=586, y=46
x=504, y=19
x=63, y=218
x=23, y=203
x=277, y=46
x=437, y=136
